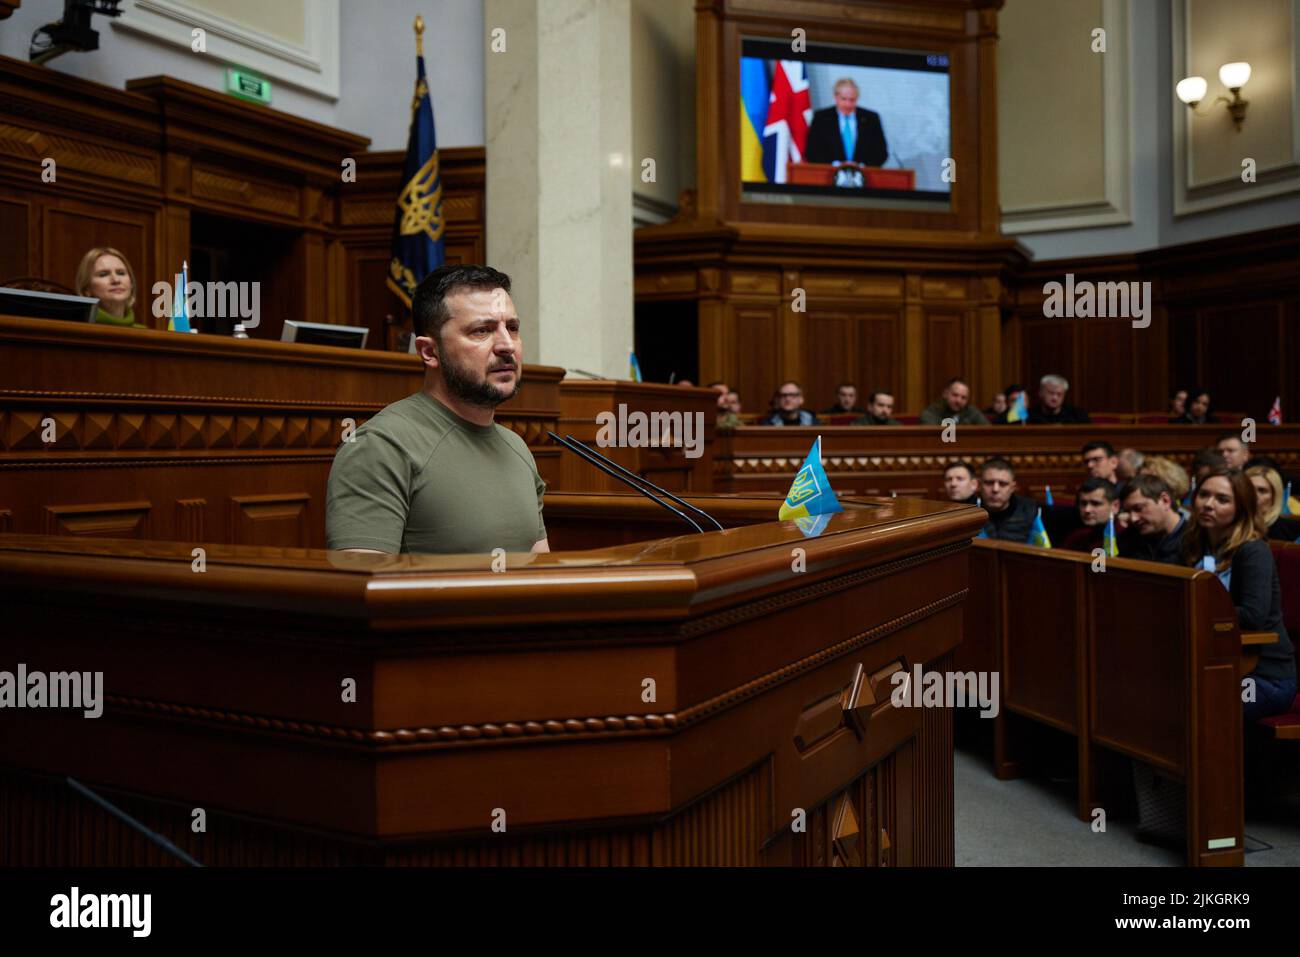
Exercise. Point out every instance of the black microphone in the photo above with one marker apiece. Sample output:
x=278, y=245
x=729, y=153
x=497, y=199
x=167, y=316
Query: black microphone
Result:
x=579, y=449
x=131, y=822
x=645, y=481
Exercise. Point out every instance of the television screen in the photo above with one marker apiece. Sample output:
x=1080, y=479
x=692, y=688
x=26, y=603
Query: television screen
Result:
x=844, y=125
x=322, y=334
x=32, y=304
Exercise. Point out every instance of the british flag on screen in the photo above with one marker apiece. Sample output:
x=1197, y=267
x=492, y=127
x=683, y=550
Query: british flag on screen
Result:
x=789, y=112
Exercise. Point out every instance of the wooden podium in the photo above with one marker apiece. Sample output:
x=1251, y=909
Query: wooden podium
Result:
x=682, y=699
x=873, y=177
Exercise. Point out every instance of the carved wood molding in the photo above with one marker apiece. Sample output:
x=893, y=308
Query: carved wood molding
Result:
x=528, y=731
x=79, y=154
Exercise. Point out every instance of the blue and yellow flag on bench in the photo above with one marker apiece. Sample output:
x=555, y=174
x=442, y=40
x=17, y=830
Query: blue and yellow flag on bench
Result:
x=1038, y=533
x=1109, y=543
x=1019, y=411
x=810, y=492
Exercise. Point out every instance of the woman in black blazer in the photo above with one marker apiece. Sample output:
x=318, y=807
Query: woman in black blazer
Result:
x=1226, y=538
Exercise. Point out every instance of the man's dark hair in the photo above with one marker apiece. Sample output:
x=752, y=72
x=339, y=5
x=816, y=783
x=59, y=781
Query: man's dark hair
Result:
x=959, y=465
x=1092, y=484
x=1099, y=444
x=953, y=381
x=1148, y=486
x=997, y=462
x=1228, y=435
x=429, y=312
x=1014, y=387
x=872, y=398
x=1211, y=457
x=846, y=385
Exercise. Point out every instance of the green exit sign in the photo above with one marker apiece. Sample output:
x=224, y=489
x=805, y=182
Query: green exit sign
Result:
x=247, y=86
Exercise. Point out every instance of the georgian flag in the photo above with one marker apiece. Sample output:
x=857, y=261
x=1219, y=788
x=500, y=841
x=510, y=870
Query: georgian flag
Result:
x=789, y=111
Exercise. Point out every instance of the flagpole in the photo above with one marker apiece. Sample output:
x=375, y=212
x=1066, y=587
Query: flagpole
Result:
x=419, y=35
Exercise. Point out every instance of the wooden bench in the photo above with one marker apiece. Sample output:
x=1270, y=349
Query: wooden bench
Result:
x=1143, y=660
x=1286, y=727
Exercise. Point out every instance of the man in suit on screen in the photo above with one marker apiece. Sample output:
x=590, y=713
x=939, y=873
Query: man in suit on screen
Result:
x=844, y=132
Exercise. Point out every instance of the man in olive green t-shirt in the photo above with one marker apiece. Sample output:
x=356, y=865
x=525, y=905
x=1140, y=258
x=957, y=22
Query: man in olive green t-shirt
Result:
x=433, y=472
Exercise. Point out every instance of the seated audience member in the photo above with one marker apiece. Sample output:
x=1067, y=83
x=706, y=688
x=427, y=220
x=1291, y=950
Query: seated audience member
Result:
x=997, y=407
x=960, y=484
x=1177, y=405
x=1011, y=516
x=1235, y=452
x=726, y=418
x=1169, y=472
x=1226, y=539
x=789, y=407
x=1268, y=504
x=1155, y=525
x=880, y=410
x=106, y=275
x=1098, y=502
x=1051, y=408
x=1198, y=409
x=733, y=402
x=846, y=401
x=1130, y=461
x=1206, y=461
x=1267, y=460
x=1100, y=460
x=954, y=403
x=1012, y=393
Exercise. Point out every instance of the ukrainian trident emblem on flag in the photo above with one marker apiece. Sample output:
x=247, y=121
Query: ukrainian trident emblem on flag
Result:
x=810, y=492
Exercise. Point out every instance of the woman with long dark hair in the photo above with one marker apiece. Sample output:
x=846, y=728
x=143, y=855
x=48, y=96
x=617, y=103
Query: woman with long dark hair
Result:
x=1226, y=537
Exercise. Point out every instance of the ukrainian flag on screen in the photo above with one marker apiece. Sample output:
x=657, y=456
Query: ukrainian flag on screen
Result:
x=1038, y=534
x=757, y=157
x=810, y=492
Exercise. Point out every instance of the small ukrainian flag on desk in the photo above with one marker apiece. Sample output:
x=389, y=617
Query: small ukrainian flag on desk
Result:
x=1019, y=411
x=810, y=492
x=1109, y=543
x=1038, y=534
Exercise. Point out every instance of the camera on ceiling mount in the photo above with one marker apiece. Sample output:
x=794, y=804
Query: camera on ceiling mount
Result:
x=73, y=32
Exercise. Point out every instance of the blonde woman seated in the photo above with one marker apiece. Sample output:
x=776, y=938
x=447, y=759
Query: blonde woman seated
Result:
x=106, y=275
x=1169, y=472
x=1268, y=492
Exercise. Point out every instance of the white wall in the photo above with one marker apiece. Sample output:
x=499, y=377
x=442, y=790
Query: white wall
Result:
x=377, y=66
x=1151, y=98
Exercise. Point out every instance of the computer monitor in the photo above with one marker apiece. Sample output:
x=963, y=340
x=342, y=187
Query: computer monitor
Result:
x=47, y=305
x=323, y=334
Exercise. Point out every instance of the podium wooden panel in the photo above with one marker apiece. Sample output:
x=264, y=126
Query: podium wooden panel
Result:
x=823, y=174
x=521, y=697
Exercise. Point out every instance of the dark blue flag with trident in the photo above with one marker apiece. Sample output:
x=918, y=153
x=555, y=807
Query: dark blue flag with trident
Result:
x=418, y=221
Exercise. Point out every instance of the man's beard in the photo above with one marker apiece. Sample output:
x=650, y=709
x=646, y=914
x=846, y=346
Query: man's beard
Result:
x=462, y=384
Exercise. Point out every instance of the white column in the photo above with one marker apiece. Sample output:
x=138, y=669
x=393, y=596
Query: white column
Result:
x=558, y=127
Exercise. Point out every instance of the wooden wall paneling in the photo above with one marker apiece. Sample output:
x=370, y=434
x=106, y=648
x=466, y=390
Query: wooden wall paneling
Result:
x=282, y=519
x=915, y=371
x=70, y=227
x=16, y=225
x=880, y=354
x=833, y=355
x=1048, y=345
x=1289, y=348
x=1239, y=369
x=1107, y=372
x=759, y=364
x=945, y=350
x=100, y=519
